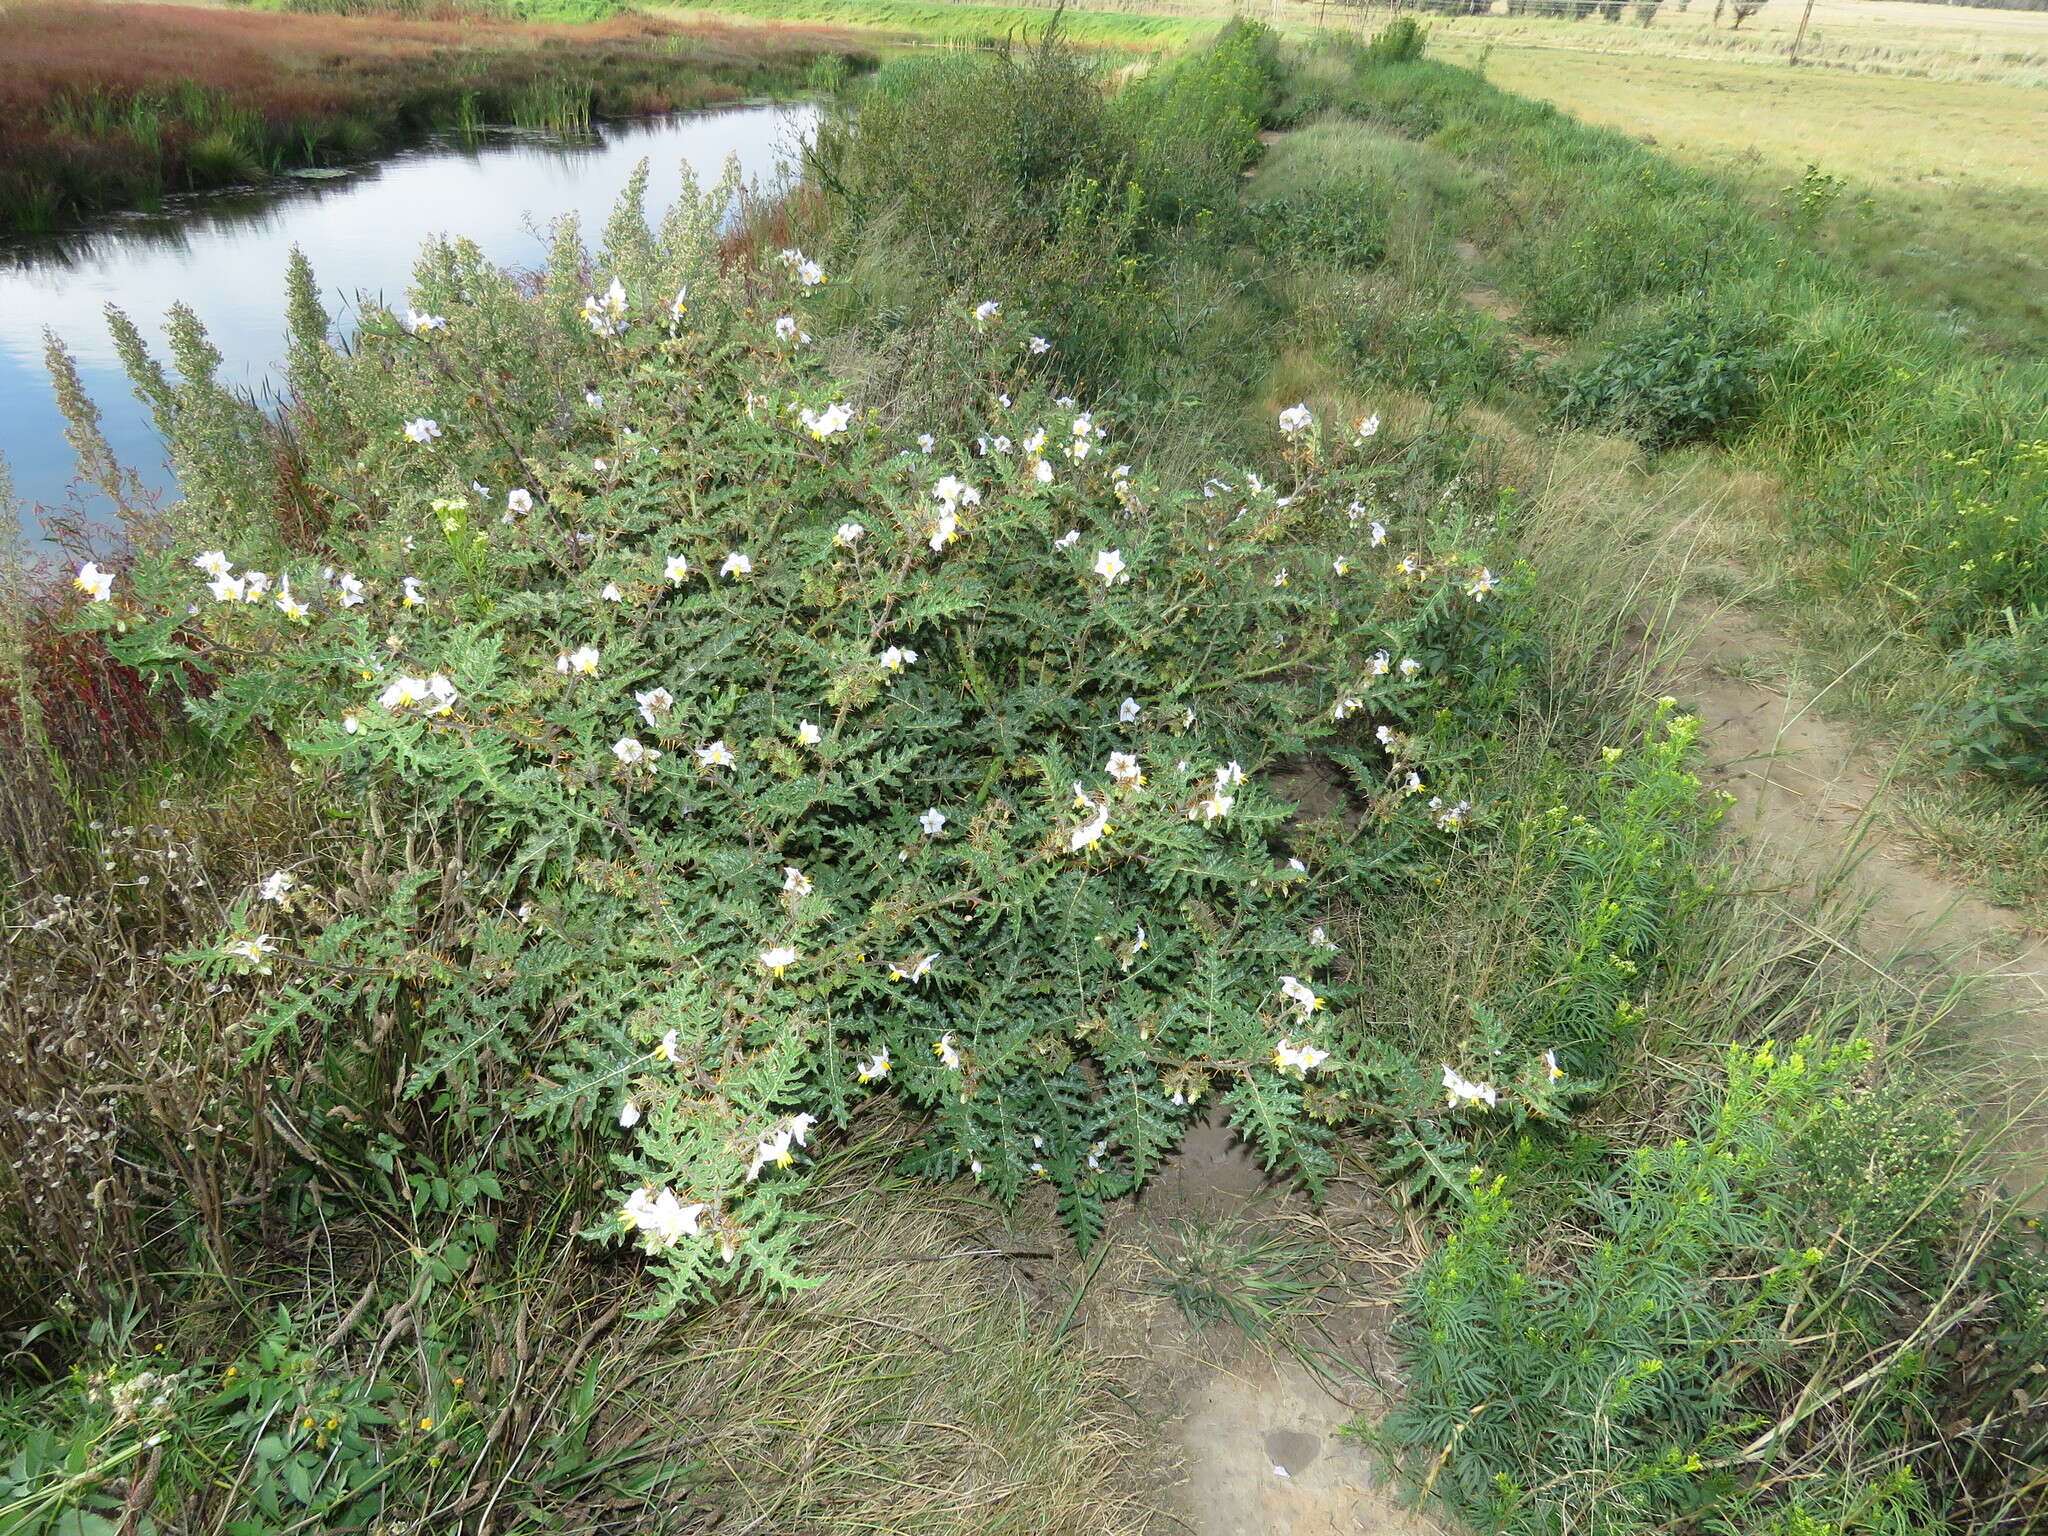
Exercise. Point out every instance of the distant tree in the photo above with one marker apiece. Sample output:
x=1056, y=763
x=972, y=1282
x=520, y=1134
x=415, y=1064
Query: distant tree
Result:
x=1743, y=9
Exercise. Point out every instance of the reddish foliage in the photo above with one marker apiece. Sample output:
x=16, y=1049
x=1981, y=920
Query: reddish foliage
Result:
x=69, y=70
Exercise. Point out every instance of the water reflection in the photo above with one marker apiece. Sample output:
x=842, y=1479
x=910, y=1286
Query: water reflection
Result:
x=224, y=255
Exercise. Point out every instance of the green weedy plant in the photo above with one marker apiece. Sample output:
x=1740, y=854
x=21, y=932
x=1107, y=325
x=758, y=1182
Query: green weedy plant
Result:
x=1675, y=377
x=712, y=764
x=2000, y=724
x=1767, y=1321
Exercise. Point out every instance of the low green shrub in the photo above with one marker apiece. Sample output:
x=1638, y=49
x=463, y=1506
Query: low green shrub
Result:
x=1672, y=377
x=2000, y=722
x=1400, y=41
x=1756, y=1324
x=1194, y=124
x=1347, y=228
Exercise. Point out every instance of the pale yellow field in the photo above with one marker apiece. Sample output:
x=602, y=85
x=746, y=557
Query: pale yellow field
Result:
x=1948, y=180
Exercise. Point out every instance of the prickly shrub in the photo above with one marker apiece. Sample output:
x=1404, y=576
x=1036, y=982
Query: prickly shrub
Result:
x=715, y=763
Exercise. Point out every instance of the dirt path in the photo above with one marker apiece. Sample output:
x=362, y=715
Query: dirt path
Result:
x=1807, y=792
x=1253, y=1437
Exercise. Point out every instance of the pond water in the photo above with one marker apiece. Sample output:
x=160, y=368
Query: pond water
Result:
x=225, y=254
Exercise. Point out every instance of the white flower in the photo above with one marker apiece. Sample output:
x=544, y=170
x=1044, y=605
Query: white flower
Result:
x=873, y=1067
x=416, y=321
x=1280, y=577
x=828, y=422
x=255, y=584
x=226, y=589
x=1551, y=1067
x=276, y=887
x=849, y=534
x=1229, y=775
x=654, y=703
x=595, y=401
x=519, y=503
x=1320, y=938
x=1127, y=713
x=660, y=1218
x=1295, y=420
x=351, y=590
x=1463, y=1091
x=1039, y=346
x=1345, y=708
x=896, y=658
x=629, y=751
x=404, y=690
x=669, y=1049
x=736, y=564
x=1410, y=566
x=1215, y=806
x=912, y=970
x=94, y=582
x=944, y=530
x=350, y=724
x=214, y=562
x=986, y=311
x=809, y=273
x=250, y=951
x=415, y=595
x=1409, y=666
x=1300, y=994
x=288, y=605
x=809, y=734
x=581, y=661
x=1299, y=1059
x=1452, y=817
x=951, y=492
x=1109, y=565
x=1092, y=830
x=629, y=1115
x=1068, y=539
x=1366, y=429
x=1041, y=471
x=926, y=442
x=795, y=881
x=943, y=1048
x=1379, y=664
x=778, y=959
x=1379, y=534
x=611, y=593
x=1480, y=585
x=679, y=305
x=1123, y=767
x=785, y=328
x=932, y=821
x=716, y=755
x=423, y=429
x=1341, y=565
x=675, y=569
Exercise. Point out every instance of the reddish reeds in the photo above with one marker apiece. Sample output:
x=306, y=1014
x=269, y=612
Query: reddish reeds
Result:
x=108, y=105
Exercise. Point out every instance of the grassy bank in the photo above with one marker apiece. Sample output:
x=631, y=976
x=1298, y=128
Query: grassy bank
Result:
x=116, y=105
x=1941, y=187
x=967, y=24
x=770, y=777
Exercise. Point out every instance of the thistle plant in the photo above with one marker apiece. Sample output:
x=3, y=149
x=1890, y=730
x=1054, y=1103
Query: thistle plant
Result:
x=718, y=765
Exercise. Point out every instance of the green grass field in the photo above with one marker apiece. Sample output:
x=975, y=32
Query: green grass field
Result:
x=944, y=22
